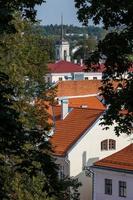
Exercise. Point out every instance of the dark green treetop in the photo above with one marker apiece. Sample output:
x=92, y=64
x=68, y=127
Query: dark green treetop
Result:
x=8, y=9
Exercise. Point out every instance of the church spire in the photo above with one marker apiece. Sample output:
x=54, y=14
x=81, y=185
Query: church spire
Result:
x=62, y=31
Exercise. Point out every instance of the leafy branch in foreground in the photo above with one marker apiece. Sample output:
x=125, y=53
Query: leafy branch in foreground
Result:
x=27, y=167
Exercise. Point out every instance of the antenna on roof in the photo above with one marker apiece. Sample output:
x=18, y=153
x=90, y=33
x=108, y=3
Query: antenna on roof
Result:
x=62, y=31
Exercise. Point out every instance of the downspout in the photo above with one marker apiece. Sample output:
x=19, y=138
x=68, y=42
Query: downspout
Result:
x=68, y=163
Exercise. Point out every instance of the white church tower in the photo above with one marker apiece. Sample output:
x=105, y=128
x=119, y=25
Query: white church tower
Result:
x=62, y=47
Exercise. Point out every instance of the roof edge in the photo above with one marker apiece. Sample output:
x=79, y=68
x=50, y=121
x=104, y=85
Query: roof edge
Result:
x=112, y=169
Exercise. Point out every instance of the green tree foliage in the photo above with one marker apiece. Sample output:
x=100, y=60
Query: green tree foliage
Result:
x=73, y=31
x=117, y=49
x=24, y=55
x=9, y=8
x=27, y=167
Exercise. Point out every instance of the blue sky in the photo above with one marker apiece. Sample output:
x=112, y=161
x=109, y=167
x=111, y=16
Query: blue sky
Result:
x=50, y=12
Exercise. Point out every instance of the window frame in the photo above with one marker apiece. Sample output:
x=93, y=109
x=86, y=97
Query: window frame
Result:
x=60, y=78
x=108, y=144
x=104, y=145
x=122, y=189
x=95, y=78
x=61, y=174
x=108, y=186
x=112, y=144
x=86, y=78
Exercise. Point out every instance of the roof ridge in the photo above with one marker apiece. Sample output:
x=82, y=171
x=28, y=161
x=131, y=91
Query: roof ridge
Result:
x=80, y=108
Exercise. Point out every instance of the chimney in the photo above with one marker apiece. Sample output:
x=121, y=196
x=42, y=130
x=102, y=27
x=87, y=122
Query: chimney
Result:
x=84, y=106
x=75, y=61
x=64, y=108
x=81, y=62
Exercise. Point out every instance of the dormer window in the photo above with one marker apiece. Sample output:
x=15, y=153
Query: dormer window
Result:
x=109, y=144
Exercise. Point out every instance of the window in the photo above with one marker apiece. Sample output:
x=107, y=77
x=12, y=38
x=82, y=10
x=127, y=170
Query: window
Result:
x=122, y=189
x=60, y=78
x=108, y=186
x=86, y=78
x=65, y=55
x=94, y=78
x=61, y=172
x=112, y=144
x=104, y=145
x=108, y=145
x=48, y=79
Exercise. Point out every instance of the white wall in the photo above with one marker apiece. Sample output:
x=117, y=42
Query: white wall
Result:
x=91, y=75
x=54, y=77
x=99, y=189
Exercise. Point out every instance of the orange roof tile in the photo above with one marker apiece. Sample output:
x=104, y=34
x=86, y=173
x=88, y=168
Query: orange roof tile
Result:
x=91, y=102
x=69, y=130
x=121, y=160
x=77, y=88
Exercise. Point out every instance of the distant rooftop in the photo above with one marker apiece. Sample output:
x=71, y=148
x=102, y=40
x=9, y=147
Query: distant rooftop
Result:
x=64, y=67
x=76, y=88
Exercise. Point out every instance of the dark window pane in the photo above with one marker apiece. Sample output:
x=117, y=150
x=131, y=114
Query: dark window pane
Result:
x=122, y=189
x=108, y=186
x=112, y=144
x=104, y=145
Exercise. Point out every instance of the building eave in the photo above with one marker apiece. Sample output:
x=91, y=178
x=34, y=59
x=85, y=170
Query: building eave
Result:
x=113, y=169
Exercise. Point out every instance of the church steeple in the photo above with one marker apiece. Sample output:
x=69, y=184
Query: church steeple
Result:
x=62, y=51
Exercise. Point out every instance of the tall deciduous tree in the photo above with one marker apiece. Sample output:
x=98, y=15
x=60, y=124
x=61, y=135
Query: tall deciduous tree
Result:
x=24, y=55
x=117, y=49
x=27, y=169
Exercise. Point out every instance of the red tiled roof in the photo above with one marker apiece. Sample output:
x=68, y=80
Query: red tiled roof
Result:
x=77, y=88
x=90, y=102
x=69, y=130
x=122, y=159
x=64, y=67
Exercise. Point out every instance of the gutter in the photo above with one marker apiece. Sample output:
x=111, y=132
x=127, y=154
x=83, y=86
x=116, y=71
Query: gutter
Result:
x=113, y=169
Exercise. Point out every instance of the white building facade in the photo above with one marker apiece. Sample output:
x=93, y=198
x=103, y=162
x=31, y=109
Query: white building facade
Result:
x=112, y=185
x=113, y=176
x=54, y=77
